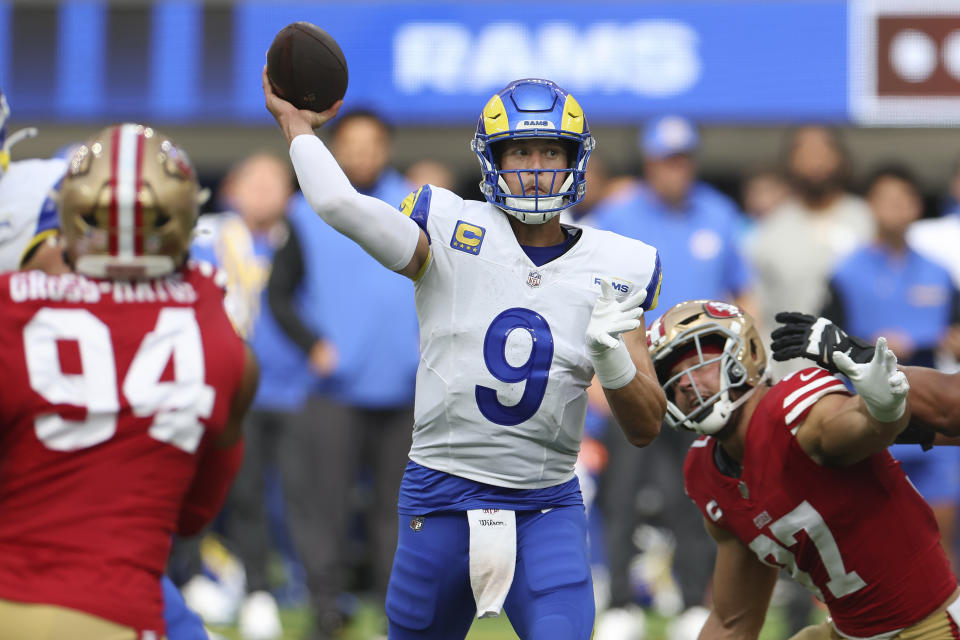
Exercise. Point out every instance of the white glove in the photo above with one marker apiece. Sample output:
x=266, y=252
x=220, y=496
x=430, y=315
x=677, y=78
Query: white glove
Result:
x=611, y=358
x=882, y=386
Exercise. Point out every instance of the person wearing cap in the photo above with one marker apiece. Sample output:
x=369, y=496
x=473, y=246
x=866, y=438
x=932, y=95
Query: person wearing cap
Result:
x=690, y=218
x=695, y=228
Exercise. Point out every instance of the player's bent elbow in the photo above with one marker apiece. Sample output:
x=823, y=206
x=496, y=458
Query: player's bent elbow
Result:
x=643, y=434
x=332, y=208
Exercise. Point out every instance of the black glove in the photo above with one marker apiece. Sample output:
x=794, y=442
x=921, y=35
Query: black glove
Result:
x=804, y=336
x=917, y=434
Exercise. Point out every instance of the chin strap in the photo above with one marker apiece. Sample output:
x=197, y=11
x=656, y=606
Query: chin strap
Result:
x=531, y=209
x=718, y=417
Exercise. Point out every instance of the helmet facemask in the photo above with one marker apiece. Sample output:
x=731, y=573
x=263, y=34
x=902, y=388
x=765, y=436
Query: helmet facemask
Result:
x=533, y=109
x=717, y=333
x=558, y=184
x=711, y=412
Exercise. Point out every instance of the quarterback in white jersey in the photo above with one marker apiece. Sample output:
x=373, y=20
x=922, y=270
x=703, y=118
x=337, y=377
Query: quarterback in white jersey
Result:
x=26, y=218
x=517, y=314
x=493, y=404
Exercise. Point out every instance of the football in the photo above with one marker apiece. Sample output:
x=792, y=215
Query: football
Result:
x=306, y=67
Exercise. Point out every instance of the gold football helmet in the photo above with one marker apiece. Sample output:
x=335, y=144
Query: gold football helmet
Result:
x=717, y=332
x=128, y=204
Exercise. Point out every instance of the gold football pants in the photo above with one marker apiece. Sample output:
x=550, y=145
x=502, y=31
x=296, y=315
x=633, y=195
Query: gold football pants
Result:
x=46, y=622
x=940, y=625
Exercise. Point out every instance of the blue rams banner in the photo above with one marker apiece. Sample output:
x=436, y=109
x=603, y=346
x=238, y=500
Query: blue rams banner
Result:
x=738, y=61
x=430, y=62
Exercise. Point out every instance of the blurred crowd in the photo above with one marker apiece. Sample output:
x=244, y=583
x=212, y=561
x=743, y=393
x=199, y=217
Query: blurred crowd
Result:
x=311, y=517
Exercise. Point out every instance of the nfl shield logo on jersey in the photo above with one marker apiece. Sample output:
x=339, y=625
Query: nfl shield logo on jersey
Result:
x=533, y=279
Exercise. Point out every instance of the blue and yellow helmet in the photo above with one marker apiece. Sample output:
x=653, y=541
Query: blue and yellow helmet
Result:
x=533, y=108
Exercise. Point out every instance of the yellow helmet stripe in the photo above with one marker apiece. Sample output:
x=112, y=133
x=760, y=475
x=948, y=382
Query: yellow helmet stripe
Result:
x=573, y=119
x=495, y=118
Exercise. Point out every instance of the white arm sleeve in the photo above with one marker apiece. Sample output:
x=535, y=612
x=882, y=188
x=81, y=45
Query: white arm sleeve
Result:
x=383, y=231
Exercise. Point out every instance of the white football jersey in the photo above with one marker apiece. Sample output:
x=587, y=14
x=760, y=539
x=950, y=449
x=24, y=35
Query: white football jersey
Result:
x=501, y=387
x=24, y=187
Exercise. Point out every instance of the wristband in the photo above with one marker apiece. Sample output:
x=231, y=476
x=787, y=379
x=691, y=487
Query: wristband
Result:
x=614, y=367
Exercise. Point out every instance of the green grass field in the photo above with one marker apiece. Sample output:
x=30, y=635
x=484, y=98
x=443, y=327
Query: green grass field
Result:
x=368, y=625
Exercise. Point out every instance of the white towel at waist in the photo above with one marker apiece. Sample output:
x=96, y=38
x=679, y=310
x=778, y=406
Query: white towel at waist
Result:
x=493, y=557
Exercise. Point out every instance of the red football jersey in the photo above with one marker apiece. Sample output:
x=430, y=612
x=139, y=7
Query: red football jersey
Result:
x=860, y=537
x=109, y=392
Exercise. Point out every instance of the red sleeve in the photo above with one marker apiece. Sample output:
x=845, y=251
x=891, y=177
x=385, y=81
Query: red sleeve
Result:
x=794, y=396
x=216, y=469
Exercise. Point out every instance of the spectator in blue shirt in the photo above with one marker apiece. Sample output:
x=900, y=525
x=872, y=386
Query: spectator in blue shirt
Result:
x=692, y=224
x=695, y=228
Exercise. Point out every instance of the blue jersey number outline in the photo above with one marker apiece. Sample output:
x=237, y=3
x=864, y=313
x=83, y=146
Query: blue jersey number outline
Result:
x=535, y=371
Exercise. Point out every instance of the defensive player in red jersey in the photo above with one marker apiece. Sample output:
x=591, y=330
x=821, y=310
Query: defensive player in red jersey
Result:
x=797, y=476
x=124, y=390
